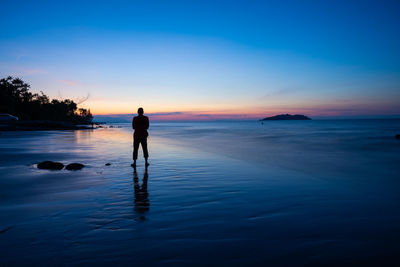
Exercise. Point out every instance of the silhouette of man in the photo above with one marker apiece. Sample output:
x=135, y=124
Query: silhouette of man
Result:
x=140, y=124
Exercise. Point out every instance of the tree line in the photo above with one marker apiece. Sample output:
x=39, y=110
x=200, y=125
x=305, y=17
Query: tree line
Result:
x=17, y=100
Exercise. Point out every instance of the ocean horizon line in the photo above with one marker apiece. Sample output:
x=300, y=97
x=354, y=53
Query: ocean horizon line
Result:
x=120, y=118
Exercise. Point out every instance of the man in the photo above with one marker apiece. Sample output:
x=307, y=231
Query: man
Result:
x=140, y=124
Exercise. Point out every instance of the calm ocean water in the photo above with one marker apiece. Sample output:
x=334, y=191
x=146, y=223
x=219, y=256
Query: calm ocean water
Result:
x=233, y=193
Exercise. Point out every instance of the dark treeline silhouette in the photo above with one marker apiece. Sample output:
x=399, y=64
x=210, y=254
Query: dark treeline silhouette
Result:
x=16, y=100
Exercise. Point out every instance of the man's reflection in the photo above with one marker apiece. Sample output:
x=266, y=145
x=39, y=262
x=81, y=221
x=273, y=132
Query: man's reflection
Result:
x=142, y=203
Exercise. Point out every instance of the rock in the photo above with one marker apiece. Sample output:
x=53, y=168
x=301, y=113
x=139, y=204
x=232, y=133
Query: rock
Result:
x=50, y=165
x=107, y=164
x=74, y=166
x=398, y=136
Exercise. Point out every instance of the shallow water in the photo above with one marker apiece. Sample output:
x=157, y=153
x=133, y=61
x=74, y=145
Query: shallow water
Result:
x=294, y=192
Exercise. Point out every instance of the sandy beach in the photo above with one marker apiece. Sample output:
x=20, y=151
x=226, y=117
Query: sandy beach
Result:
x=328, y=194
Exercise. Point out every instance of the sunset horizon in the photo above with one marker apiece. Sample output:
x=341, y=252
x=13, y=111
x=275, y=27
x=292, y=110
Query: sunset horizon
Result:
x=322, y=61
x=199, y=133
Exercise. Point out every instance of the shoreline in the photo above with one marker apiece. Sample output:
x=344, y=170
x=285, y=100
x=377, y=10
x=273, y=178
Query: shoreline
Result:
x=45, y=125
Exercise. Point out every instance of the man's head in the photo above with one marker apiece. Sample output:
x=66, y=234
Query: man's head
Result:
x=140, y=111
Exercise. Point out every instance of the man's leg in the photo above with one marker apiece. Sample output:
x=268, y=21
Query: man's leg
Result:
x=136, y=142
x=145, y=151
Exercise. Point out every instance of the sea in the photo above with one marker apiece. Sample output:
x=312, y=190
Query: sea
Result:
x=279, y=193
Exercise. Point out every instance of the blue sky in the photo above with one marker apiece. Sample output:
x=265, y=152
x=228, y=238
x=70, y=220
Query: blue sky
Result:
x=225, y=58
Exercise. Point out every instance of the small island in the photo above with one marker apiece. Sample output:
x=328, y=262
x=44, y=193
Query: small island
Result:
x=286, y=117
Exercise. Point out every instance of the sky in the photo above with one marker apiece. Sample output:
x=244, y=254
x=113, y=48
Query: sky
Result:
x=208, y=59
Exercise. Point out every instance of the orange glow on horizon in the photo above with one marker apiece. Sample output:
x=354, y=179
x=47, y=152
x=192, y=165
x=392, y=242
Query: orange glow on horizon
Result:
x=320, y=110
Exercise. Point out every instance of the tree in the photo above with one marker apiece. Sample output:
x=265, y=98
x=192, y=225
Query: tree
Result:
x=16, y=99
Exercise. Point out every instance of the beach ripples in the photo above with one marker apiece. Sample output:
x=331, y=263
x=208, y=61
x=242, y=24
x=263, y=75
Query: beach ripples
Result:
x=211, y=196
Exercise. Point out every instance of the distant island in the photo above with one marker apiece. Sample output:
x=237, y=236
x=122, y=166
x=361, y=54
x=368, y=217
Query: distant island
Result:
x=286, y=117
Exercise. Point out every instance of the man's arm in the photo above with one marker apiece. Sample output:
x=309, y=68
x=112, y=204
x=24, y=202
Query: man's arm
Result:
x=133, y=123
x=147, y=123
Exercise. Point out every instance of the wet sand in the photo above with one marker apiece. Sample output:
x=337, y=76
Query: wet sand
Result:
x=212, y=197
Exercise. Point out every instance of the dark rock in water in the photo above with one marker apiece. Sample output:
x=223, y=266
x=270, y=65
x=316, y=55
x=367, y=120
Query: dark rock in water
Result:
x=286, y=117
x=397, y=136
x=107, y=164
x=74, y=166
x=50, y=165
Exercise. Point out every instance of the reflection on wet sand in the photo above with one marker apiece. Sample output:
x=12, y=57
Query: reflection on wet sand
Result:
x=142, y=203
